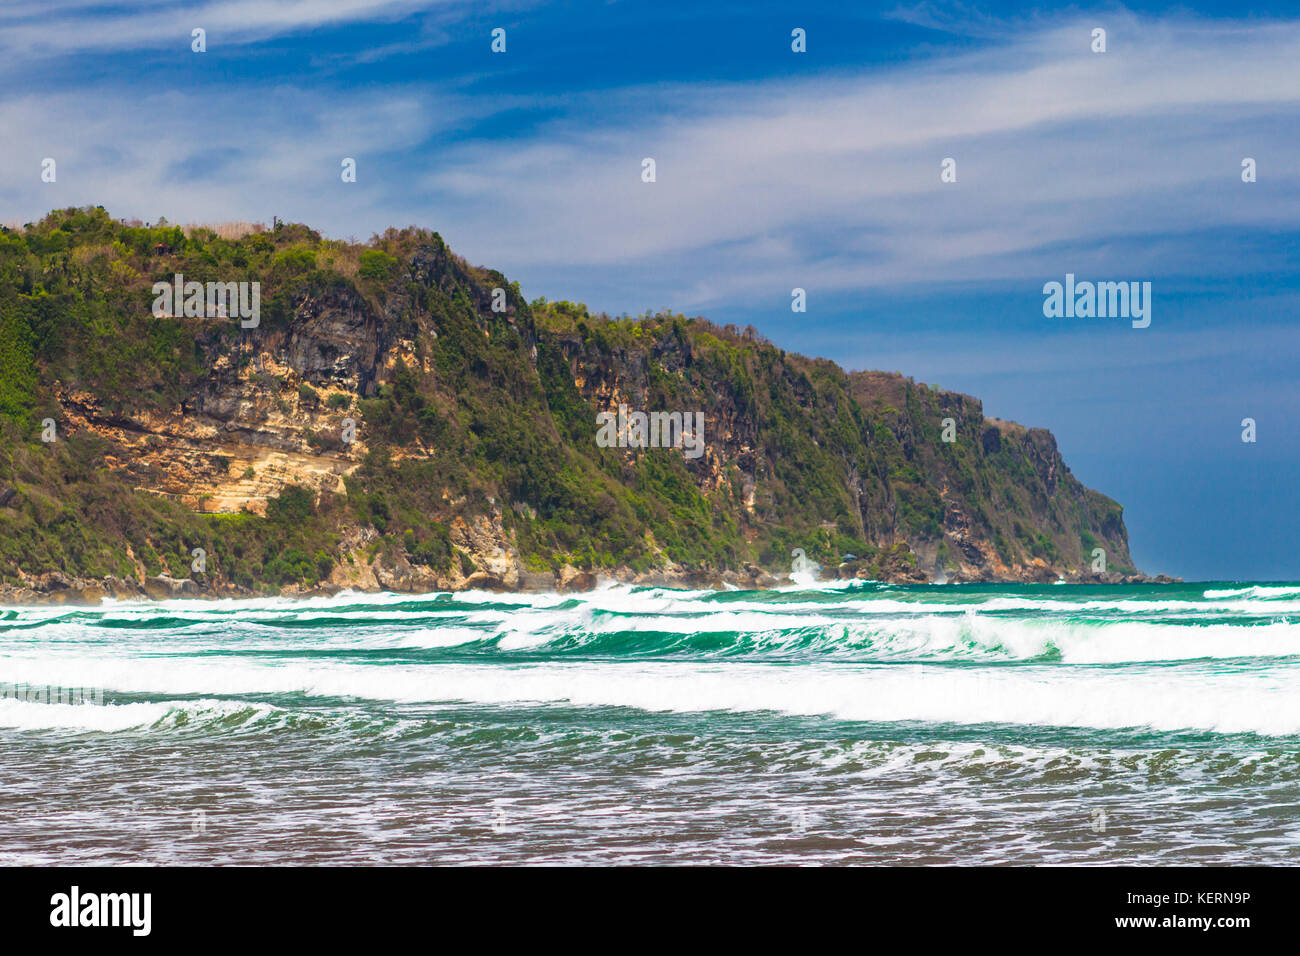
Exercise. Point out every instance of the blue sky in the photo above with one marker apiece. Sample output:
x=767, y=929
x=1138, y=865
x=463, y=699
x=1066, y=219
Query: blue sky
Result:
x=774, y=170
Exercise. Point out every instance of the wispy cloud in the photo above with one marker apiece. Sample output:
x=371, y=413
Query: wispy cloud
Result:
x=238, y=157
x=58, y=27
x=1067, y=160
x=1063, y=156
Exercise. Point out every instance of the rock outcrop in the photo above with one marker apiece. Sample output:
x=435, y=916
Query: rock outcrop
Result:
x=400, y=420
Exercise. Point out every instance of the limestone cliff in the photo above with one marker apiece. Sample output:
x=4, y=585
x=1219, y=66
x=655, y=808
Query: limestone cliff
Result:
x=401, y=420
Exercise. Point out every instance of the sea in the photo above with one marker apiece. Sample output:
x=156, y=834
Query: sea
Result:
x=812, y=724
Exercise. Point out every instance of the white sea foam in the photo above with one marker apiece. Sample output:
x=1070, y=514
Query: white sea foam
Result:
x=858, y=655
x=21, y=715
x=818, y=629
x=490, y=607
x=1045, y=695
x=1255, y=591
x=24, y=715
x=436, y=637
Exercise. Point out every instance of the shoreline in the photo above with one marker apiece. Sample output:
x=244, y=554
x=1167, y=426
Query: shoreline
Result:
x=56, y=589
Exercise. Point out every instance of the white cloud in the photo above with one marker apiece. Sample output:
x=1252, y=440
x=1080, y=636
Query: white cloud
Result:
x=237, y=157
x=59, y=27
x=1067, y=161
x=1058, y=149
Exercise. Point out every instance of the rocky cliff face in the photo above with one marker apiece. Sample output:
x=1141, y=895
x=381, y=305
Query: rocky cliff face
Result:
x=401, y=420
x=995, y=502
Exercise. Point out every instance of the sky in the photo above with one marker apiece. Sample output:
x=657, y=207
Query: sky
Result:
x=775, y=170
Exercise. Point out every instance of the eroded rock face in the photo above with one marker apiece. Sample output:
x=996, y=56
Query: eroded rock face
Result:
x=1004, y=504
x=260, y=441
x=492, y=548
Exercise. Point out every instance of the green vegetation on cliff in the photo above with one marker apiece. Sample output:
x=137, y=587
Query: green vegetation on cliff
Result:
x=470, y=422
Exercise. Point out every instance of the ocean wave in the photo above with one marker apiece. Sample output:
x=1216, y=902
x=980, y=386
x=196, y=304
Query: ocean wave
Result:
x=837, y=600
x=1256, y=591
x=1234, y=701
x=732, y=631
x=27, y=715
x=1098, y=658
x=968, y=636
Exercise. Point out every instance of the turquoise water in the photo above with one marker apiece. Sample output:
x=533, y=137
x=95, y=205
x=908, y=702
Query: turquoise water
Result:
x=822, y=724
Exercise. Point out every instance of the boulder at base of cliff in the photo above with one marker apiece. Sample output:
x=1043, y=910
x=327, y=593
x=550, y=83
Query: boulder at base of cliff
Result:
x=536, y=581
x=754, y=578
x=1040, y=574
x=482, y=581
x=52, y=581
x=570, y=578
x=164, y=587
x=121, y=588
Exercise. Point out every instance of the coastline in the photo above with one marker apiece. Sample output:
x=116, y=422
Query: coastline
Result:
x=56, y=588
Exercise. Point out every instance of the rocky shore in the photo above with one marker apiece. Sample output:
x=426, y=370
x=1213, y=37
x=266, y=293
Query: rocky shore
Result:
x=57, y=588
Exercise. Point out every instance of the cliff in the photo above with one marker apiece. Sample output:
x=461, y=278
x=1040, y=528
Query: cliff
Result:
x=399, y=419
